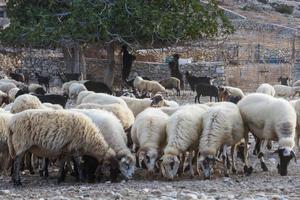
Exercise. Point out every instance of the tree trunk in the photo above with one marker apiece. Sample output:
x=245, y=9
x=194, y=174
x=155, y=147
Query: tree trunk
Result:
x=110, y=70
x=74, y=60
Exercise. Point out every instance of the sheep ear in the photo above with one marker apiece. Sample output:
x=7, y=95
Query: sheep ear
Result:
x=294, y=156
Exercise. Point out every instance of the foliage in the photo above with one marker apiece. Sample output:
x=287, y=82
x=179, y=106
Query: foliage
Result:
x=51, y=23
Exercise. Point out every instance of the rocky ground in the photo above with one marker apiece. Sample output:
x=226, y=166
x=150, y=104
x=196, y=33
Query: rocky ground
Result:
x=260, y=185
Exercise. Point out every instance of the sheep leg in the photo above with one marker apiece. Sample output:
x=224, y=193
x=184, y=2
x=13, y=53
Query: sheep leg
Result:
x=233, y=167
x=45, y=166
x=224, y=158
x=181, y=166
x=191, y=164
x=28, y=162
x=62, y=172
x=196, y=98
x=16, y=169
x=247, y=170
x=77, y=167
x=261, y=156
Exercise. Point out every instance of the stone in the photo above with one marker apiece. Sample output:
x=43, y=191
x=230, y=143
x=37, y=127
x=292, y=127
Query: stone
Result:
x=4, y=192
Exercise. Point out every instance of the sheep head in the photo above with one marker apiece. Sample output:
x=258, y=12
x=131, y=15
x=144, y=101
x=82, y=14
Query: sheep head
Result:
x=157, y=101
x=207, y=164
x=285, y=156
x=149, y=158
x=126, y=165
x=169, y=166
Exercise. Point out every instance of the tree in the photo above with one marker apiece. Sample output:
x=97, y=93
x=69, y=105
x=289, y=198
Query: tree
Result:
x=74, y=24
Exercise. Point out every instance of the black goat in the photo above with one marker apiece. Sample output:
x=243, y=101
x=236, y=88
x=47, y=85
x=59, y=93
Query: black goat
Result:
x=66, y=77
x=25, y=90
x=206, y=90
x=97, y=87
x=52, y=98
x=127, y=62
x=17, y=76
x=43, y=80
x=194, y=80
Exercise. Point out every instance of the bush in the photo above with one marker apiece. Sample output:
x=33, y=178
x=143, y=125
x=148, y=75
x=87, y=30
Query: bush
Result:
x=283, y=8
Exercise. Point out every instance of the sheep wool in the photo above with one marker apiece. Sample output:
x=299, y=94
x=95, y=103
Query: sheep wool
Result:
x=147, y=86
x=25, y=102
x=75, y=89
x=149, y=134
x=266, y=88
x=124, y=114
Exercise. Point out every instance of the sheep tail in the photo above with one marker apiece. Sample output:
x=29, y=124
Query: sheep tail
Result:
x=10, y=144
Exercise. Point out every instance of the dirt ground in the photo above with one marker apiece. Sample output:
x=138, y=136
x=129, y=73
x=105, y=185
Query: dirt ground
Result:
x=260, y=185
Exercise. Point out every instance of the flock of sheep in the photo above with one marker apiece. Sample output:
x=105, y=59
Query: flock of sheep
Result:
x=104, y=134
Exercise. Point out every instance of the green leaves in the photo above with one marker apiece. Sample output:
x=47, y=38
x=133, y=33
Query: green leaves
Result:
x=44, y=23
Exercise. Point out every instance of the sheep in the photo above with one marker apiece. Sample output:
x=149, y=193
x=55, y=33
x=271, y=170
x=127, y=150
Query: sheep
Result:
x=25, y=102
x=4, y=132
x=285, y=91
x=36, y=88
x=206, y=90
x=138, y=105
x=222, y=126
x=99, y=98
x=123, y=113
x=171, y=83
x=113, y=133
x=52, y=106
x=130, y=82
x=266, y=88
x=276, y=120
x=169, y=110
x=183, y=133
x=284, y=81
x=82, y=95
x=5, y=87
x=4, y=98
x=194, y=80
x=147, y=86
x=58, y=133
x=12, y=94
x=296, y=83
x=65, y=87
x=43, y=80
x=148, y=133
x=233, y=91
x=75, y=89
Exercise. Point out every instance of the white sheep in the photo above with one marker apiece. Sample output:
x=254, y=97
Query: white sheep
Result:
x=113, y=133
x=222, y=126
x=147, y=86
x=266, y=88
x=99, y=98
x=4, y=133
x=5, y=87
x=33, y=87
x=270, y=118
x=138, y=105
x=232, y=91
x=82, y=95
x=123, y=113
x=52, y=106
x=25, y=102
x=148, y=133
x=66, y=85
x=12, y=93
x=183, y=133
x=75, y=89
x=58, y=133
x=285, y=91
x=296, y=83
